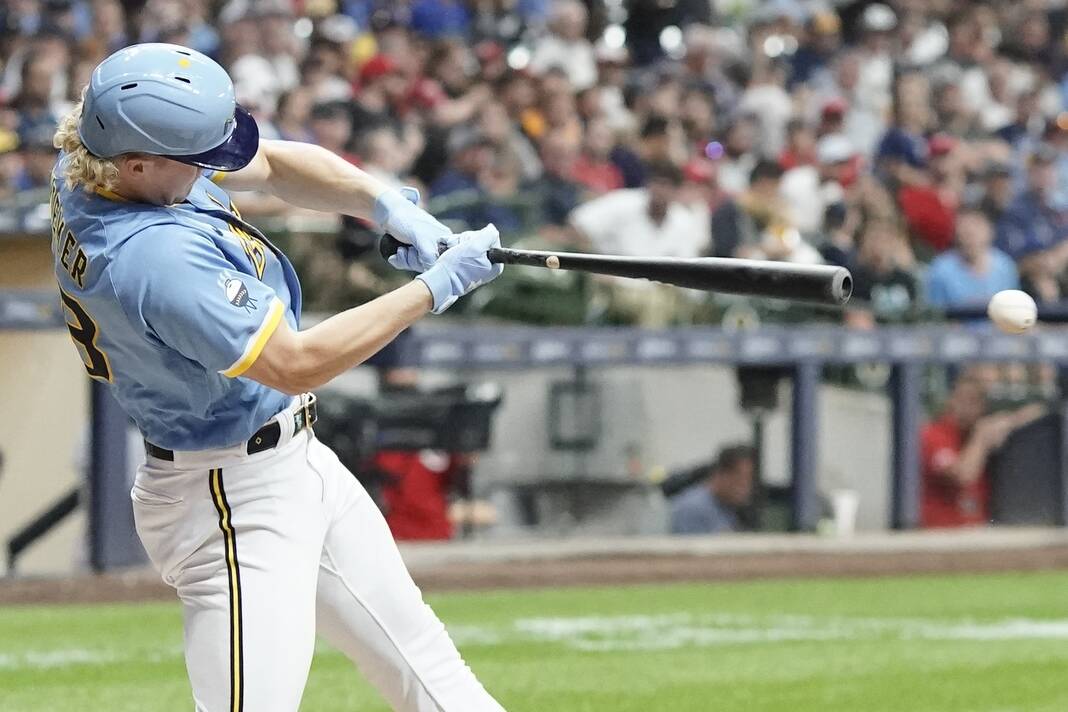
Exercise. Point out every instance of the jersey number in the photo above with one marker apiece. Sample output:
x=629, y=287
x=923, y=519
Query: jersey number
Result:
x=84, y=332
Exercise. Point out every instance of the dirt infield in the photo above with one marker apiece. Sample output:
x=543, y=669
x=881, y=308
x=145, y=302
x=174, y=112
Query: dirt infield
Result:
x=481, y=565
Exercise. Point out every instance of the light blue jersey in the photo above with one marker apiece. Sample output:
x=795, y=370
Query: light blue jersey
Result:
x=170, y=305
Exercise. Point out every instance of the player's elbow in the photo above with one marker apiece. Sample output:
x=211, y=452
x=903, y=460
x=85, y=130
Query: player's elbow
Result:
x=287, y=364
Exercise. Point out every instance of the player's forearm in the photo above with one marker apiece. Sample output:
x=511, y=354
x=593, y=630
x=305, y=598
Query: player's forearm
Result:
x=295, y=362
x=312, y=177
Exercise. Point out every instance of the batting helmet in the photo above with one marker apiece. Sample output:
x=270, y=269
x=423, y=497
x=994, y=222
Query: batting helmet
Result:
x=167, y=100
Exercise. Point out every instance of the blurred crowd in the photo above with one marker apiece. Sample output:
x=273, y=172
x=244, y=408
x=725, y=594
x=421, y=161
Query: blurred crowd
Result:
x=922, y=143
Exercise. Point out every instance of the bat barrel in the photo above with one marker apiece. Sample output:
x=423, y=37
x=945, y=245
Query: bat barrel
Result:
x=825, y=284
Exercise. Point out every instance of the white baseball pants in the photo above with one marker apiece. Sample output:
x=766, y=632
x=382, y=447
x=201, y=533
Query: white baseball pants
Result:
x=265, y=550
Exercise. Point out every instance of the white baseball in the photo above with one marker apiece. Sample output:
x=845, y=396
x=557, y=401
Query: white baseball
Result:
x=1013, y=311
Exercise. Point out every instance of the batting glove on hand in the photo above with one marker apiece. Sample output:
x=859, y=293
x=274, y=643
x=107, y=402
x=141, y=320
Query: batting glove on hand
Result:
x=397, y=211
x=459, y=269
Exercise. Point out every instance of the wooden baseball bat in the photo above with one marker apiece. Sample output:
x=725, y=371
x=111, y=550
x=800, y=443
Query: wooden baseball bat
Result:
x=824, y=284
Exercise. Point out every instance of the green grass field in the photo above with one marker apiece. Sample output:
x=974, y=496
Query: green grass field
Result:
x=937, y=644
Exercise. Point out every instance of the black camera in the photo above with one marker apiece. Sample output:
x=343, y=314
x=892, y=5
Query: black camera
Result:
x=453, y=419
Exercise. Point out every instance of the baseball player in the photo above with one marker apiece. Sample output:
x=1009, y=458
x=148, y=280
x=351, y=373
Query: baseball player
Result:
x=192, y=317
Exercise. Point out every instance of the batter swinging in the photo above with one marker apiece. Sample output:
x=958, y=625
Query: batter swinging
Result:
x=191, y=316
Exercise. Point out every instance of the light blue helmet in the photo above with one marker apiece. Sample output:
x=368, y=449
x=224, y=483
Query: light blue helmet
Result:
x=170, y=101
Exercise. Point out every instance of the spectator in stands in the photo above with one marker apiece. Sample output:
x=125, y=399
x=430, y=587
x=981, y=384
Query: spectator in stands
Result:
x=756, y=224
x=1035, y=232
x=800, y=149
x=33, y=103
x=884, y=287
x=508, y=140
x=293, y=114
x=645, y=222
x=465, y=191
x=930, y=201
x=566, y=46
x=331, y=128
x=38, y=157
x=10, y=164
x=807, y=189
x=974, y=270
x=711, y=506
x=739, y=156
x=556, y=191
x=955, y=449
x=902, y=154
x=594, y=169
x=997, y=191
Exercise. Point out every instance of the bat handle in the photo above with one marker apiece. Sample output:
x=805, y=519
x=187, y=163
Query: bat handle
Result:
x=389, y=245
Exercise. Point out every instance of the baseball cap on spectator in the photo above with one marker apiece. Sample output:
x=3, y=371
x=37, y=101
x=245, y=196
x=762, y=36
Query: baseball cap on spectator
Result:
x=878, y=18
x=465, y=138
x=940, y=145
x=765, y=170
x=272, y=8
x=255, y=82
x=834, y=148
x=898, y=146
x=377, y=67
x=9, y=141
x=774, y=10
x=834, y=108
x=331, y=110
x=996, y=169
x=825, y=22
x=488, y=51
x=698, y=170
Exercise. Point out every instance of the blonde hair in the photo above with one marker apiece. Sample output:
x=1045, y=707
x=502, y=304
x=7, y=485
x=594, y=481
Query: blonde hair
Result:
x=79, y=166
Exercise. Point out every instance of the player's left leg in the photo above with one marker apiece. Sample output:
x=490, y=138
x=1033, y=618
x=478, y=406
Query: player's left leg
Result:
x=369, y=607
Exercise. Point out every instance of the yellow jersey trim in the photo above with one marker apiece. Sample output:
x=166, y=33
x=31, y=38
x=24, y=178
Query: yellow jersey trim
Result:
x=217, y=177
x=110, y=195
x=257, y=341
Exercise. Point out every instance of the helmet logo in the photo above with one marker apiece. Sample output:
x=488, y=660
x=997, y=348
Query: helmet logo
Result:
x=183, y=62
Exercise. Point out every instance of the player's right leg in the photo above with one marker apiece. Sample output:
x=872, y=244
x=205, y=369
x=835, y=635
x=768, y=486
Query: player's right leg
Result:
x=241, y=544
x=369, y=607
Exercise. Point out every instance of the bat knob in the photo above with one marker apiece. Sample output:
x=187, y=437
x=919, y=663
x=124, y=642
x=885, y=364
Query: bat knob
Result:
x=388, y=246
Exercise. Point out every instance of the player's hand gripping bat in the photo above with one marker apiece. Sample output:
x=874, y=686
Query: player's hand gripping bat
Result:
x=824, y=284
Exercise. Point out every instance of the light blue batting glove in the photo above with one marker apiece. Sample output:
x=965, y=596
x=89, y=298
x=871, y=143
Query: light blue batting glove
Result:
x=459, y=269
x=398, y=213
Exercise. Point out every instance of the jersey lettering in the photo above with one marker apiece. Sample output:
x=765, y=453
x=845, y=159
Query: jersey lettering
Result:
x=71, y=255
x=253, y=247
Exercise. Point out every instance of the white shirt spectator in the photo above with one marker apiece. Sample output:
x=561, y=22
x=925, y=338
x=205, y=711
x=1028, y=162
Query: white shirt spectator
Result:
x=618, y=223
x=574, y=57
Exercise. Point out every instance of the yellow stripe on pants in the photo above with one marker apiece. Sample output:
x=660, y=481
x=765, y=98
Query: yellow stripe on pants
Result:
x=233, y=575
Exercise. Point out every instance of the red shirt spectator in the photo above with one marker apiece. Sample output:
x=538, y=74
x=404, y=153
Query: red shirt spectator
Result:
x=955, y=449
x=416, y=496
x=930, y=209
x=947, y=502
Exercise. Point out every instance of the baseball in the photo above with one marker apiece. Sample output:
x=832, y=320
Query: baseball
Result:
x=1013, y=311
x=552, y=262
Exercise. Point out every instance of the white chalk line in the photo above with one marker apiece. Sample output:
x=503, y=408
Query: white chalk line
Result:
x=631, y=633
x=673, y=631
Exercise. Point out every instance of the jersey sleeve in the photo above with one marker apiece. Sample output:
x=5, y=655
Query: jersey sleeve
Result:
x=184, y=291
